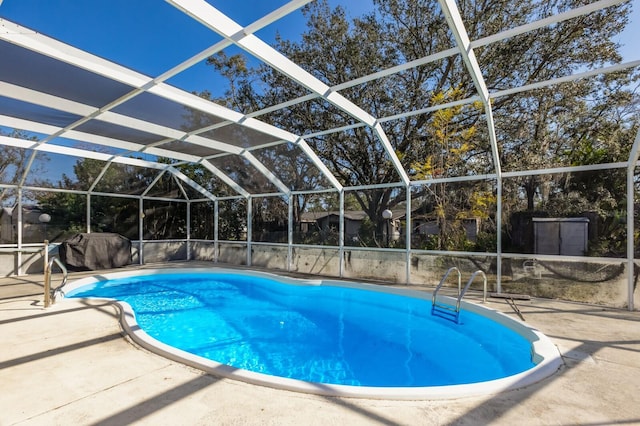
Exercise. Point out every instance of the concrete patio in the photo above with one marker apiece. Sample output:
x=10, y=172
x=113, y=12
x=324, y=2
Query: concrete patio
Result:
x=72, y=364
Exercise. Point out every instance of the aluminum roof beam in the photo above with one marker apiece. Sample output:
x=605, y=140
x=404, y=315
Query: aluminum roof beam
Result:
x=57, y=103
x=570, y=14
x=82, y=153
x=441, y=55
x=31, y=40
x=221, y=24
x=454, y=20
x=452, y=15
x=224, y=178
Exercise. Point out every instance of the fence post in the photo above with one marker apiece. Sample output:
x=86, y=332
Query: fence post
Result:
x=47, y=276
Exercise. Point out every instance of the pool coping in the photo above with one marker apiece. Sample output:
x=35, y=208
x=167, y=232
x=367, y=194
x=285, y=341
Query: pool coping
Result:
x=546, y=354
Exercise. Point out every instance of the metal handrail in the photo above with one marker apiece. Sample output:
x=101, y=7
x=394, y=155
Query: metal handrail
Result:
x=466, y=287
x=444, y=277
x=449, y=309
x=47, y=280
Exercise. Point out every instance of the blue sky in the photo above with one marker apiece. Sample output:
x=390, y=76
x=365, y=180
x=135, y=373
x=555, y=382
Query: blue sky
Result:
x=631, y=36
x=151, y=36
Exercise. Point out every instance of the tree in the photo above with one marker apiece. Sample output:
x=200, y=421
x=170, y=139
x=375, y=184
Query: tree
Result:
x=13, y=164
x=447, y=204
x=336, y=50
x=108, y=214
x=232, y=220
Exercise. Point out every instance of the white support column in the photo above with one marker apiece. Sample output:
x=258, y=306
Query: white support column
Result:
x=19, y=229
x=456, y=24
x=633, y=159
x=498, y=171
x=88, y=217
x=188, y=231
x=249, y=228
x=216, y=243
x=499, y=234
x=341, y=234
x=408, y=233
x=290, y=233
x=141, y=231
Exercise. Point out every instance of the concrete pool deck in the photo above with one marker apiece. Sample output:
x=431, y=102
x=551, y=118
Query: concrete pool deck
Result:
x=72, y=364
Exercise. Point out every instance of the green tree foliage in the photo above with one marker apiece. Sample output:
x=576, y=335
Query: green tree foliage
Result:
x=586, y=121
x=232, y=222
x=163, y=219
x=13, y=166
x=108, y=214
x=534, y=129
x=232, y=213
x=448, y=204
x=13, y=160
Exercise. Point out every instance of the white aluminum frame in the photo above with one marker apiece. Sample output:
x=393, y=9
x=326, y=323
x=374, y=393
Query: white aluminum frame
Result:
x=244, y=38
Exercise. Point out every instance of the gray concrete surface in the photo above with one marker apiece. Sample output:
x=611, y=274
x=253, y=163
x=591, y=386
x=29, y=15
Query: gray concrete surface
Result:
x=70, y=364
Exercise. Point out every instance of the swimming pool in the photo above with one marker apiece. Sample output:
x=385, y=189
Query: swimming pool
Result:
x=322, y=337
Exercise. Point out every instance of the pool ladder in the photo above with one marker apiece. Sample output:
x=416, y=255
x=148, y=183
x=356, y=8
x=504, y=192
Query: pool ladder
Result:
x=446, y=310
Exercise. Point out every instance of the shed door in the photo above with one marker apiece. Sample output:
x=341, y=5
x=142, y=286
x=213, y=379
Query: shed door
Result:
x=547, y=237
x=573, y=238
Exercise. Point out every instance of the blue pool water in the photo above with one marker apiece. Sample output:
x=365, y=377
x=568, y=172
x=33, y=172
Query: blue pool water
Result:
x=317, y=333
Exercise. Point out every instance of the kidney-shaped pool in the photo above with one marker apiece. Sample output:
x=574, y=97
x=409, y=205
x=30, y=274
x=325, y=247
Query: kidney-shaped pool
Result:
x=323, y=337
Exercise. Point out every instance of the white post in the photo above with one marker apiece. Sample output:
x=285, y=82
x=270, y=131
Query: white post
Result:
x=407, y=230
x=141, y=231
x=19, y=227
x=341, y=234
x=188, y=231
x=499, y=234
x=47, y=276
x=216, y=245
x=290, y=233
x=249, y=228
x=88, y=213
x=631, y=166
